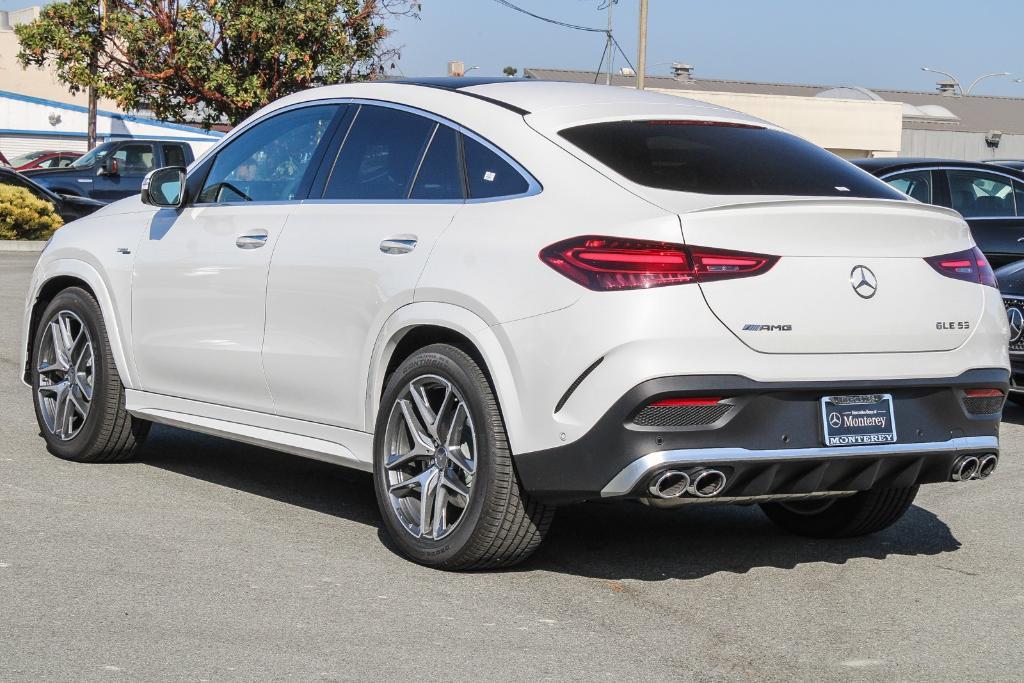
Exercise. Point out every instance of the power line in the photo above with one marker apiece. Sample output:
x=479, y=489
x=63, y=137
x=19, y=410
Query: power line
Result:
x=556, y=22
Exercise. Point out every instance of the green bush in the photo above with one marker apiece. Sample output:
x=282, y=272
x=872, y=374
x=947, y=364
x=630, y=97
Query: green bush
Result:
x=23, y=216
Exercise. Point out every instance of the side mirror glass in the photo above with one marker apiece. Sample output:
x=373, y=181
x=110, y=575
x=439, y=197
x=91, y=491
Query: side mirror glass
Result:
x=164, y=187
x=110, y=167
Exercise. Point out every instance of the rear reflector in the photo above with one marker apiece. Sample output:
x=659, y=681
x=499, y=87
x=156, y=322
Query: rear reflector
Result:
x=687, y=401
x=982, y=393
x=613, y=263
x=969, y=265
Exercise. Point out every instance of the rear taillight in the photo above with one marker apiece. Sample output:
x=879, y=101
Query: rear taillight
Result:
x=613, y=263
x=983, y=393
x=969, y=266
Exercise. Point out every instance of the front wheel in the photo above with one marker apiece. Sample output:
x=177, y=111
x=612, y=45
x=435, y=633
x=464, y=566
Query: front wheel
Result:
x=79, y=398
x=857, y=515
x=443, y=470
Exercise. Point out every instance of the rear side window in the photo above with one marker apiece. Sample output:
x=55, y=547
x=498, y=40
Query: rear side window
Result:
x=174, y=155
x=489, y=175
x=380, y=156
x=725, y=159
x=917, y=184
x=440, y=175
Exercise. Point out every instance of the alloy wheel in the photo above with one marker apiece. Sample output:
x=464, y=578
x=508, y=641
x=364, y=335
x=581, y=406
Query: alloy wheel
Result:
x=431, y=457
x=67, y=373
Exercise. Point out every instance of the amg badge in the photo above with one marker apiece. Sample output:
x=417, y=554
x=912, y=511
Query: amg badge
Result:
x=751, y=327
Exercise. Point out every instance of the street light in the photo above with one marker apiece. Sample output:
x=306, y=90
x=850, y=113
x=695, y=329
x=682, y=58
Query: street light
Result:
x=469, y=69
x=956, y=81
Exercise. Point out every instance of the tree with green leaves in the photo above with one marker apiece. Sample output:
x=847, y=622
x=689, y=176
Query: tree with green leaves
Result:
x=510, y=71
x=209, y=60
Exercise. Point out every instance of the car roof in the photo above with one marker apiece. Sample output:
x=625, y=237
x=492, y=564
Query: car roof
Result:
x=531, y=97
x=890, y=164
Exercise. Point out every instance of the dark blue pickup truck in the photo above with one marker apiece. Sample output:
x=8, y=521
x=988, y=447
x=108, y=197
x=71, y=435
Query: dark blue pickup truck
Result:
x=113, y=170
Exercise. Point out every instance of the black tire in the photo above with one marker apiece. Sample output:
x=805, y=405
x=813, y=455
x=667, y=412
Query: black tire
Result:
x=857, y=515
x=108, y=433
x=500, y=525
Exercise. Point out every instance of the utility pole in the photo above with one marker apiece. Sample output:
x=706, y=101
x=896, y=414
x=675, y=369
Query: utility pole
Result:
x=93, y=68
x=610, y=46
x=641, y=58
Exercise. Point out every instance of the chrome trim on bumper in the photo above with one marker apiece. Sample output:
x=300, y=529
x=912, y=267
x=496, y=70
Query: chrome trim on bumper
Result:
x=626, y=480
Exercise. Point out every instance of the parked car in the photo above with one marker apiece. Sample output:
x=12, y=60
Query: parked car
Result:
x=69, y=208
x=3, y=161
x=1011, y=285
x=480, y=291
x=115, y=169
x=43, y=159
x=1015, y=164
x=987, y=196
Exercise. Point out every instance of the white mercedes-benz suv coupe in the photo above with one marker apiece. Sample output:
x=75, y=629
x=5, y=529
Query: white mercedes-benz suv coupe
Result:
x=503, y=296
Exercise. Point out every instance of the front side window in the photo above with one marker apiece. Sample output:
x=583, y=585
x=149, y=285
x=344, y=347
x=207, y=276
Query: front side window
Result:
x=917, y=184
x=721, y=158
x=135, y=159
x=976, y=194
x=380, y=155
x=269, y=161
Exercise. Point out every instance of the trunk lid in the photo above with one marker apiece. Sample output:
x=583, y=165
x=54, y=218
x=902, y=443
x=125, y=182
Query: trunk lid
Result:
x=852, y=277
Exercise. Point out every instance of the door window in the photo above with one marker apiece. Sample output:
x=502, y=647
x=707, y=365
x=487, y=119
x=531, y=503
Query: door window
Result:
x=488, y=174
x=52, y=162
x=135, y=159
x=174, y=155
x=917, y=184
x=440, y=174
x=380, y=155
x=976, y=194
x=269, y=161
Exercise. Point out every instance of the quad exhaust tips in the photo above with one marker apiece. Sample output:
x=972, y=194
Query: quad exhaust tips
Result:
x=676, y=484
x=969, y=467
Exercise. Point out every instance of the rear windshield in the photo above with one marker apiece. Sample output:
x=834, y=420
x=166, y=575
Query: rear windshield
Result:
x=715, y=158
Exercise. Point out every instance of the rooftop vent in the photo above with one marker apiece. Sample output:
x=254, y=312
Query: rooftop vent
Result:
x=947, y=88
x=682, y=72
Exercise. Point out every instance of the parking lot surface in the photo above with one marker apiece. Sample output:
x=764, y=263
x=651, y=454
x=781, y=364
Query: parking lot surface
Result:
x=209, y=560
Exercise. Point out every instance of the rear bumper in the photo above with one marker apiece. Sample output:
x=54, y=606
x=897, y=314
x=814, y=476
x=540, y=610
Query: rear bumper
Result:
x=769, y=442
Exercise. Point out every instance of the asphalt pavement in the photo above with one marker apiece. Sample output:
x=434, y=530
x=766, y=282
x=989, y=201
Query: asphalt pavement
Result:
x=210, y=560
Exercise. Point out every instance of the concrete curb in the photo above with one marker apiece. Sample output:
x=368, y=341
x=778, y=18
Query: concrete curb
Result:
x=21, y=245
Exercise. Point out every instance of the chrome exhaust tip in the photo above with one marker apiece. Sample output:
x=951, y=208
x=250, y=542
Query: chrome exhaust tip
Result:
x=965, y=468
x=707, y=483
x=669, y=484
x=987, y=465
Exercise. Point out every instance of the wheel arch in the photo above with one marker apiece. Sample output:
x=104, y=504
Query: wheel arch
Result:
x=58, y=276
x=417, y=325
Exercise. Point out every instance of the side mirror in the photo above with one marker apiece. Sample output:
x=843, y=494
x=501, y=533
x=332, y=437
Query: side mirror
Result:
x=164, y=187
x=110, y=167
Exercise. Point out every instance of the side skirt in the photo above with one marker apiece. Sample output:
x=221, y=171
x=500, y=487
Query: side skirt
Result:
x=336, y=445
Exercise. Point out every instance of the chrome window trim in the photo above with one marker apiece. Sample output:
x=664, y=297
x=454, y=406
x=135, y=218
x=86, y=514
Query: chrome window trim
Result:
x=1019, y=181
x=534, y=187
x=635, y=472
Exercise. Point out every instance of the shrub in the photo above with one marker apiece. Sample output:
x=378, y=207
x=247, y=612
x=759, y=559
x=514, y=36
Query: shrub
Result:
x=23, y=216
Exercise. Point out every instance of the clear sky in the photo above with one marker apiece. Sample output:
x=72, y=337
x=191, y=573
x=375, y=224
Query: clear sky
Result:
x=873, y=43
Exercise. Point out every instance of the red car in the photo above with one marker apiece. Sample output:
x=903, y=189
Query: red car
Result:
x=43, y=159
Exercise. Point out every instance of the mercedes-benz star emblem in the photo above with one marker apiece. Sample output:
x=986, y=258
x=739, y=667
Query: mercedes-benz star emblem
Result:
x=863, y=281
x=835, y=419
x=1016, y=324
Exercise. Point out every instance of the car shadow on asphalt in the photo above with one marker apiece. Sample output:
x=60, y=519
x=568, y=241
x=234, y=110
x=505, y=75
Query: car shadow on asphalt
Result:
x=598, y=540
x=1013, y=412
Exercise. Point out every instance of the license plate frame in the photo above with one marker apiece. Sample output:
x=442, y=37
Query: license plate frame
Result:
x=858, y=420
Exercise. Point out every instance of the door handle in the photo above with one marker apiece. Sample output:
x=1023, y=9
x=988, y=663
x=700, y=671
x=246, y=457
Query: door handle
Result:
x=398, y=246
x=251, y=241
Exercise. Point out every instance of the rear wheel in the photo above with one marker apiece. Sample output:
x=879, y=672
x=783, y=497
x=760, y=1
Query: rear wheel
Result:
x=443, y=470
x=79, y=398
x=857, y=515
